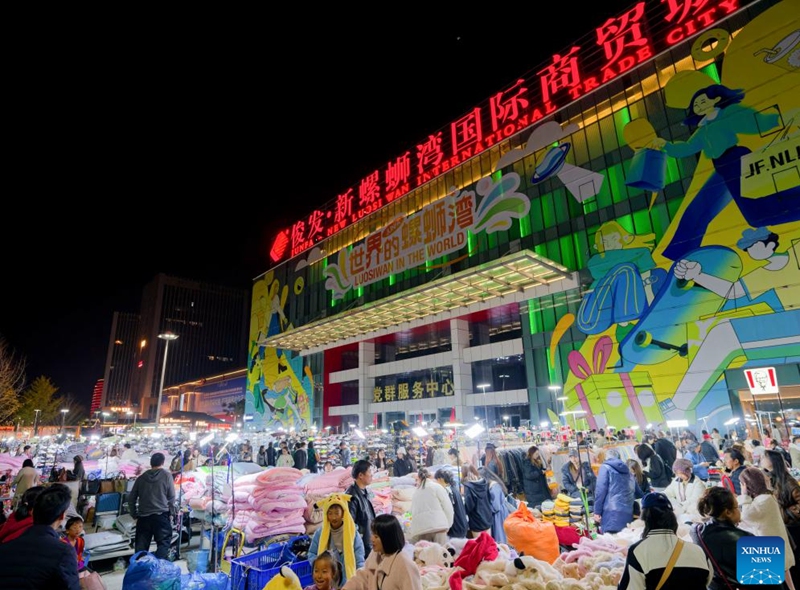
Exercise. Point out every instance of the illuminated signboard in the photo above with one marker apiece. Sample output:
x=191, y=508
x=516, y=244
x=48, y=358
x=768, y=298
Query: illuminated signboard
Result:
x=436, y=230
x=414, y=386
x=620, y=44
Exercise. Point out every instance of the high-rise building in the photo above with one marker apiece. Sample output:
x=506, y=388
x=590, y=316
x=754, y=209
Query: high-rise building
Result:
x=121, y=360
x=97, y=397
x=613, y=240
x=210, y=322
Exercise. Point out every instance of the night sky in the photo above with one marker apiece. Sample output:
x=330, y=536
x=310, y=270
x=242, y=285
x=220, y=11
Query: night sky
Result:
x=183, y=149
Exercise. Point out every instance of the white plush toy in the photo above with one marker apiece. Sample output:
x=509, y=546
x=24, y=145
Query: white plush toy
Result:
x=427, y=553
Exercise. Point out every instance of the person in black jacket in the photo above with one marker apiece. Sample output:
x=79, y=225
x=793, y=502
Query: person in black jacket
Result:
x=361, y=508
x=734, y=464
x=647, y=559
x=38, y=558
x=665, y=449
x=270, y=455
x=576, y=475
x=300, y=456
x=660, y=476
x=710, y=454
x=477, y=504
x=534, y=480
x=718, y=537
x=459, y=528
x=404, y=464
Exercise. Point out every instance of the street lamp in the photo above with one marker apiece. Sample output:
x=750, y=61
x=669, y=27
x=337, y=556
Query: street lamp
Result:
x=36, y=423
x=63, y=417
x=168, y=337
x=563, y=399
x=482, y=387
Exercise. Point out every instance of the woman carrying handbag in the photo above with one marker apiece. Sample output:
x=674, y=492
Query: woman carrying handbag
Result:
x=661, y=561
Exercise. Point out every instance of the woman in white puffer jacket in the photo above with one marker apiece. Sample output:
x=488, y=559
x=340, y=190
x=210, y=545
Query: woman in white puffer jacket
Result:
x=431, y=511
x=761, y=513
x=685, y=491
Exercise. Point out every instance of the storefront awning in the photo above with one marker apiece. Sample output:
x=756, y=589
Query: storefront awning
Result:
x=505, y=276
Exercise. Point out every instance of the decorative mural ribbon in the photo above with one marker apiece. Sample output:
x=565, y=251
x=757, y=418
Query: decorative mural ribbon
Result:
x=582, y=370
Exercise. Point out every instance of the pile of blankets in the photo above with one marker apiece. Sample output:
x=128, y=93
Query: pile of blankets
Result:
x=403, y=489
x=317, y=486
x=269, y=503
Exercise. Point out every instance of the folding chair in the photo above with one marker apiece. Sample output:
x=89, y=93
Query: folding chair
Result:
x=108, y=503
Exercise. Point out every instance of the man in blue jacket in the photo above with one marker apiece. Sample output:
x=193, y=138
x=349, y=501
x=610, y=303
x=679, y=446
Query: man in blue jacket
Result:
x=614, y=494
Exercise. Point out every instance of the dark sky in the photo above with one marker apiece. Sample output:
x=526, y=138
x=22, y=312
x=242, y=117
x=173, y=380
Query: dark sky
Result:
x=183, y=147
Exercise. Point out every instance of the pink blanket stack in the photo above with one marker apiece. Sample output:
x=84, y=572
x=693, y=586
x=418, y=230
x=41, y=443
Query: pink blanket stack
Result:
x=269, y=503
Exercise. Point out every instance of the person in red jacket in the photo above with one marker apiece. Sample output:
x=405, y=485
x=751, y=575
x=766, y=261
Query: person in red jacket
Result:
x=22, y=518
x=73, y=530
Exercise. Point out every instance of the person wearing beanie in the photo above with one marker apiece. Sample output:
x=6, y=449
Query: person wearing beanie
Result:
x=685, y=491
x=646, y=565
x=338, y=536
x=403, y=465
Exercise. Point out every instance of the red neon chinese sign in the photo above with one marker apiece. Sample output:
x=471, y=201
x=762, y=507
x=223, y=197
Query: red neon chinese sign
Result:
x=620, y=44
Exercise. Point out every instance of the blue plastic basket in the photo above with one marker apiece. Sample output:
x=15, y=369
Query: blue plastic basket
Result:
x=253, y=571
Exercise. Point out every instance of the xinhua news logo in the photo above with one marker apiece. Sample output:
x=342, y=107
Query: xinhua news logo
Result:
x=760, y=560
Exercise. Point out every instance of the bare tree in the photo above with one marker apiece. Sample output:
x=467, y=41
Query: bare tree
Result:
x=12, y=381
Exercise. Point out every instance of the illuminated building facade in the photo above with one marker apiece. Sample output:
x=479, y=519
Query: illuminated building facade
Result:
x=216, y=395
x=211, y=324
x=613, y=238
x=120, y=360
x=97, y=397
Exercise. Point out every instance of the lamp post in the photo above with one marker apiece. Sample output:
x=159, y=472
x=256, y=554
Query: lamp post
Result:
x=63, y=417
x=482, y=387
x=167, y=337
x=554, y=389
x=36, y=423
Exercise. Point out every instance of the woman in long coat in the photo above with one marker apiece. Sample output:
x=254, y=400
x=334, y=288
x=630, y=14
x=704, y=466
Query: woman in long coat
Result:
x=534, y=480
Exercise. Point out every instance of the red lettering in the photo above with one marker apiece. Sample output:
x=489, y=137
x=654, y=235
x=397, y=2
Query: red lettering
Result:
x=537, y=114
x=675, y=36
x=729, y=5
x=707, y=17
x=626, y=62
x=590, y=84
x=549, y=107
x=608, y=74
x=643, y=54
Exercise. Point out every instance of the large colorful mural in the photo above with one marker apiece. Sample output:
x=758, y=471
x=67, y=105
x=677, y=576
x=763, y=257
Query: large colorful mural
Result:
x=279, y=385
x=721, y=290
x=711, y=285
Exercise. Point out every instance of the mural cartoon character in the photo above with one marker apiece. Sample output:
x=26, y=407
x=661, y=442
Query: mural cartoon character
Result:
x=720, y=118
x=757, y=333
x=729, y=255
x=626, y=279
x=278, y=387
